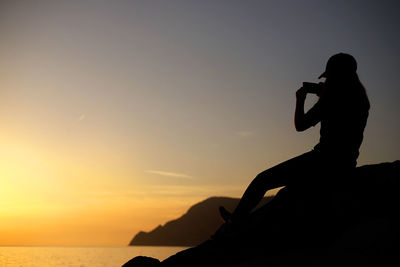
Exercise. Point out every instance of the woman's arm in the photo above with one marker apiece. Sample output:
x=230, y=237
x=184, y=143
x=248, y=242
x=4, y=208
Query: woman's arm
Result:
x=303, y=121
x=299, y=118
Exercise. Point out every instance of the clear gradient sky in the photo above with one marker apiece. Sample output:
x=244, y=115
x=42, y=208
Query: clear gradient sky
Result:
x=116, y=116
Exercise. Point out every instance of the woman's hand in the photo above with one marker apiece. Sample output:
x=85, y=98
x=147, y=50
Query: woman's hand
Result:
x=301, y=94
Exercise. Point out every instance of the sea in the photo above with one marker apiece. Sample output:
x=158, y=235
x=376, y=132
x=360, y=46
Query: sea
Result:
x=79, y=256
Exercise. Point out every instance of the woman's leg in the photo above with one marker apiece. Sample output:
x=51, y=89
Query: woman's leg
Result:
x=291, y=171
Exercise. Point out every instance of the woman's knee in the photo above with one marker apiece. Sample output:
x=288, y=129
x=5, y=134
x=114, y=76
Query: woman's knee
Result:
x=261, y=179
x=270, y=179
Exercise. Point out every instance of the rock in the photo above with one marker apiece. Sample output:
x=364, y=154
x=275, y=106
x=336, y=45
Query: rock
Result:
x=355, y=224
x=142, y=261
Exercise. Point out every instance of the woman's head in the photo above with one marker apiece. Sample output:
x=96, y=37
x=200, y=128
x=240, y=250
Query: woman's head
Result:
x=340, y=66
x=343, y=81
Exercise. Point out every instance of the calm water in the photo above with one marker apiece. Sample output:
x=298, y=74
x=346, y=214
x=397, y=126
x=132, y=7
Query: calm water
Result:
x=78, y=256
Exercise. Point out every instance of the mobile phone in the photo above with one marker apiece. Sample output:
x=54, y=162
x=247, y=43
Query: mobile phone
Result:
x=312, y=88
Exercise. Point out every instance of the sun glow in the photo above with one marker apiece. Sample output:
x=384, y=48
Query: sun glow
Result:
x=117, y=116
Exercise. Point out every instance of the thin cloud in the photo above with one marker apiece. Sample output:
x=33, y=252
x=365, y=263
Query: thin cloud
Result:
x=81, y=117
x=170, y=174
x=245, y=133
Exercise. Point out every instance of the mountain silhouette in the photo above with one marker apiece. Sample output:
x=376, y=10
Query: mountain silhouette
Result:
x=192, y=228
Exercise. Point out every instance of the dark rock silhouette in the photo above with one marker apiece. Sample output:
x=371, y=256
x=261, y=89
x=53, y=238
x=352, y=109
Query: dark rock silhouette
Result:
x=359, y=226
x=142, y=261
x=194, y=227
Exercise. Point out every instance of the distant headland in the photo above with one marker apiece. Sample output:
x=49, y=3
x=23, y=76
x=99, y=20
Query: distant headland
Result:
x=195, y=226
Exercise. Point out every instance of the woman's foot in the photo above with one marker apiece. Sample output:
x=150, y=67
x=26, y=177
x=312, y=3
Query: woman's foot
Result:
x=226, y=228
x=223, y=231
x=225, y=215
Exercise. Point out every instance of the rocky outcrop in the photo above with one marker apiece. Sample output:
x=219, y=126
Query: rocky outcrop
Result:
x=143, y=262
x=351, y=223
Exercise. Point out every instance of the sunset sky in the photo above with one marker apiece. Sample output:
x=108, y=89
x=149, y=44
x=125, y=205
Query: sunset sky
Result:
x=117, y=116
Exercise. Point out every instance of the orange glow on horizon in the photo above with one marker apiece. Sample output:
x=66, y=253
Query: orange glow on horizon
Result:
x=117, y=116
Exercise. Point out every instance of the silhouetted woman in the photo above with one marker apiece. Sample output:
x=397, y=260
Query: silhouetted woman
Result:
x=342, y=110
